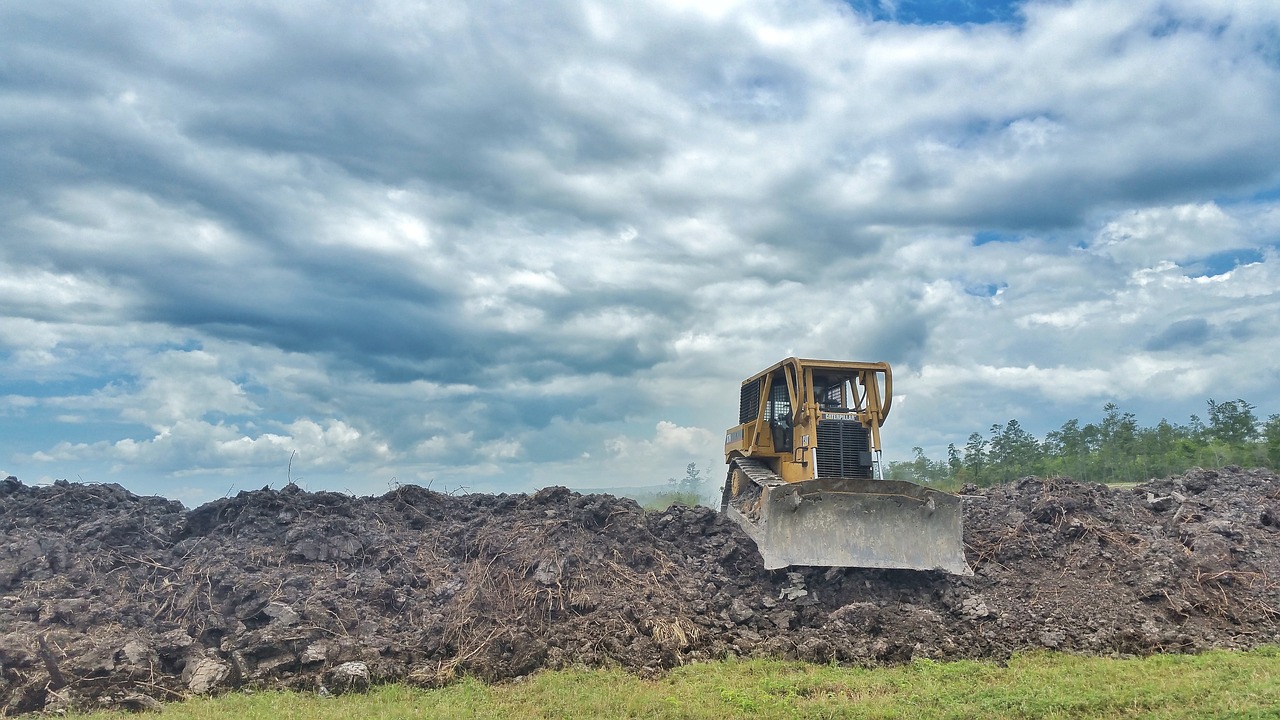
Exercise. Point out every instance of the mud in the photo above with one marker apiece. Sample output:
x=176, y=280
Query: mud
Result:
x=108, y=599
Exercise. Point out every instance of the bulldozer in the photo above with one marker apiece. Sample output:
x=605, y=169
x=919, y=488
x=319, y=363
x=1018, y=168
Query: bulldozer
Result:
x=805, y=478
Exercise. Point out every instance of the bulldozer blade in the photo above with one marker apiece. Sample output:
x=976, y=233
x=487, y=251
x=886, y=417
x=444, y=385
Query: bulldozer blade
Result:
x=843, y=522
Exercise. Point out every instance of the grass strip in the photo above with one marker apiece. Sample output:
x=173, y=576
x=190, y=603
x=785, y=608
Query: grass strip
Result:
x=1218, y=684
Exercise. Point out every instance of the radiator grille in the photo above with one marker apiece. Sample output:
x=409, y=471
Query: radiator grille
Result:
x=844, y=449
x=750, y=402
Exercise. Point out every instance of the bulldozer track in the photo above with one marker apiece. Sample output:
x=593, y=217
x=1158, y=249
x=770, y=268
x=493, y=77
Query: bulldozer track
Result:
x=759, y=473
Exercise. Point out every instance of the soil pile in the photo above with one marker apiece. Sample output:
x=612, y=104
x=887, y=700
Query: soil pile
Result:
x=108, y=599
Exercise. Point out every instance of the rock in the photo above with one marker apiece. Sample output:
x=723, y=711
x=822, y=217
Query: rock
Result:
x=1160, y=504
x=316, y=652
x=349, y=677
x=795, y=588
x=551, y=494
x=140, y=702
x=206, y=674
x=281, y=614
x=783, y=619
x=974, y=608
x=174, y=643
x=547, y=572
x=139, y=655
x=739, y=611
x=1052, y=638
x=1270, y=517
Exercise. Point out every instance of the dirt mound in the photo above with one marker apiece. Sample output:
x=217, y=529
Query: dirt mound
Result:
x=108, y=599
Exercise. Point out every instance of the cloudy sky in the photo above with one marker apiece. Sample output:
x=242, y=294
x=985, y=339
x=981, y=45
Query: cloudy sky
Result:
x=496, y=245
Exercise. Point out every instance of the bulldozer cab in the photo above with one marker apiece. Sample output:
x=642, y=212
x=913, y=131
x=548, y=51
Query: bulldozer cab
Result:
x=781, y=426
x=814, y=418
x=805, y=476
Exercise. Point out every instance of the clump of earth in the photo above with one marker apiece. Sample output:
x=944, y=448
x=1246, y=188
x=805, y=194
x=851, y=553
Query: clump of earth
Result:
x=108, y=599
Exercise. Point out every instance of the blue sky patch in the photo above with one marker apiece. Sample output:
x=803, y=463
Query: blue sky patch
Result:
x=990, y=236
x=1219, y=263
x=62, y=387
x=938, y=12
x=1267, y=194
x=1270, y=194
x=985, y=290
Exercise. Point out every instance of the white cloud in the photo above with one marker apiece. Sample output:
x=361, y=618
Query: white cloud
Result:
x=503, y=246
x=669, y=439
x=1147, y=236
x=193, y=447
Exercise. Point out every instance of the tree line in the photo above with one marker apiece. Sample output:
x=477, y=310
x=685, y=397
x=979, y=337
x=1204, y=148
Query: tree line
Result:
x=1113, y=449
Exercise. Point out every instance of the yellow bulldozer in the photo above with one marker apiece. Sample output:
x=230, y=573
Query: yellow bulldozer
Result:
x=805, y=478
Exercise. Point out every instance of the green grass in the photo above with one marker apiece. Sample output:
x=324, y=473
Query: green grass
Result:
x=1040, y=685
x=663, y=501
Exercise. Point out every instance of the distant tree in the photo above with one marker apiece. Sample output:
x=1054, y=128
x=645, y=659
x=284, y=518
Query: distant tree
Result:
x=1118, y=436
x=1067, y=450
x=1115, y=449
x=920, y=469
x=1197, y=427
x=1232, y=422
x=688, y=489
x=1272, y=432
x=1165, y=449
x=1014, y=452
x=954, y=461
x=975, y=460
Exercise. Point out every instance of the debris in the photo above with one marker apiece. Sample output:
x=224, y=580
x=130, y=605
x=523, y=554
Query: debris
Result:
x=108, y=598
x=794, y=589
x=1160, y=504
